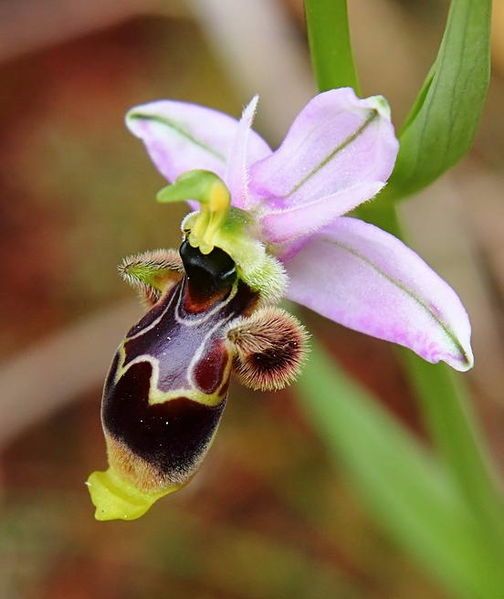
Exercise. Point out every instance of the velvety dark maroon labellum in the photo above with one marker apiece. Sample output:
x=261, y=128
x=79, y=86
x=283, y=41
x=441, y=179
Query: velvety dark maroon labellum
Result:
x=169, y=436
x=167, y=386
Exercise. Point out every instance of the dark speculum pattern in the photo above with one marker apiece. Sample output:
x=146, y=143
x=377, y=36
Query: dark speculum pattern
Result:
x=179, y=334
x=180, y=340
x=169, y=436
x=209, y=373
x=188, y=344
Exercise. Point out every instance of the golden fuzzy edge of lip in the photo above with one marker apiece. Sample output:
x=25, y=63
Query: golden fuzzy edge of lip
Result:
x=138, y=471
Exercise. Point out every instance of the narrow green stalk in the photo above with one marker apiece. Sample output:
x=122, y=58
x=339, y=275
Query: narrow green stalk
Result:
x=442, y=397
x=330, y=46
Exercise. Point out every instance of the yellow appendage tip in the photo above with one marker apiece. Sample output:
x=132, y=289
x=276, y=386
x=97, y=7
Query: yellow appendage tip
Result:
x=116, y=499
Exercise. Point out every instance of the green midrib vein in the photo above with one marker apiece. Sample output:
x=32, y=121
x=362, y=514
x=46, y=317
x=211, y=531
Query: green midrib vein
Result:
x=346, y=142
x=447, y=330
x=138, y=116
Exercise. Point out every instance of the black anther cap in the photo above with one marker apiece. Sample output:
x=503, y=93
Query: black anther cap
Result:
x=207, y=273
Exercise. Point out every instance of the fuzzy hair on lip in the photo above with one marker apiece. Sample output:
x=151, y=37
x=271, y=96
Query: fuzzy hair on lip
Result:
x=269, y=347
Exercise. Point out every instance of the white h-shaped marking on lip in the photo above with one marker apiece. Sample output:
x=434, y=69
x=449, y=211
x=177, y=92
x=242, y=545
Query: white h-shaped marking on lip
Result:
x=198, y=353
x=218, y=306
x=154, y=322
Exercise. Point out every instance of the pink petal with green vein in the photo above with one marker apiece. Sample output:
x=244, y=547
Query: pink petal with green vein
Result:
x=180, y=137
x=367, y=280
x=336, y=142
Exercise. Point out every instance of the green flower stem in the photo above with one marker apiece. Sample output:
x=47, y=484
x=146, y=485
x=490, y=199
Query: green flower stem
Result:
x=442, y=397
x=330, y=45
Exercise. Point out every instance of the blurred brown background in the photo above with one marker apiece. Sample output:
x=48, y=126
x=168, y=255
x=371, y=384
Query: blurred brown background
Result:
x=269, y=516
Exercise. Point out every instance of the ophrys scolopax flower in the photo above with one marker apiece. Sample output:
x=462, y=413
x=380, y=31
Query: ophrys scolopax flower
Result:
x=266, y=225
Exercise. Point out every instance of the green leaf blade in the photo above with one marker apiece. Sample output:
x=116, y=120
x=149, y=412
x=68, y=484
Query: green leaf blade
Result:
x=442, y=123
x=400, y=482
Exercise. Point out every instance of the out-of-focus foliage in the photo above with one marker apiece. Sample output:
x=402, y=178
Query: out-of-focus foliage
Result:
x=404, y=492
x=401, y=483
x=271, y=514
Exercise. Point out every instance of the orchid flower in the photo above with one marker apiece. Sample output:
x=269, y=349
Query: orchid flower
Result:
x=265, y=225
x=338, y=153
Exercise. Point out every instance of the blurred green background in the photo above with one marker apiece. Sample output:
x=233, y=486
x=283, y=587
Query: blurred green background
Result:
x=269, y=515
